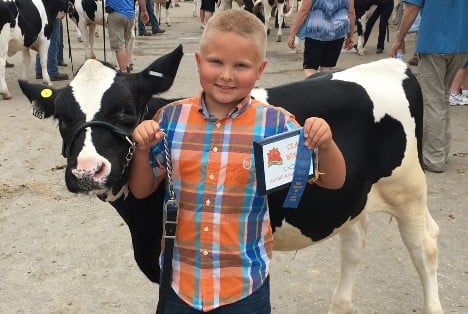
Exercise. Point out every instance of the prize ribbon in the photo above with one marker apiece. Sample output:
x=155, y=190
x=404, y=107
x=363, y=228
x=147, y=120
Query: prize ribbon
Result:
x=300, y=175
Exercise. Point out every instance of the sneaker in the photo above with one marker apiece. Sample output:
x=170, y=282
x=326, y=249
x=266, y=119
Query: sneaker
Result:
x=62, y=63
x=9, y=65
x=458, y=99
x=379, y=50
x=159, y=31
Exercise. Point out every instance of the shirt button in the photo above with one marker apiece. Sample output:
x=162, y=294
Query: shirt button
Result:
x=211, y=176
x=205, y=229
x=207, y=202
x=205, y=252
x=215, y=149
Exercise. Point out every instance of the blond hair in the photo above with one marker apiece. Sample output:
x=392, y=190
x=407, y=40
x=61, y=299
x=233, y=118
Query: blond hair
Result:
x=239, y=22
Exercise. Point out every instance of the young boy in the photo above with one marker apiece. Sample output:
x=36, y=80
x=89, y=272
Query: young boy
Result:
x=224, y=241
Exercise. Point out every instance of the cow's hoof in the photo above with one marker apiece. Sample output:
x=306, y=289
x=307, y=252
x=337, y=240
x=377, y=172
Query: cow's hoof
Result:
x=278, y=39
x=360, y=52
x=79, y=39
x=6, y=95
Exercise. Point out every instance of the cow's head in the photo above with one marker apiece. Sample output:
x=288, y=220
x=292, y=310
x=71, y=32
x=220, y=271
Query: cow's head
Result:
x=96, y=114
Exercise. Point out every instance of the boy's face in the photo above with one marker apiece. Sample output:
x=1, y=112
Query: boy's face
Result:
x=228, y=66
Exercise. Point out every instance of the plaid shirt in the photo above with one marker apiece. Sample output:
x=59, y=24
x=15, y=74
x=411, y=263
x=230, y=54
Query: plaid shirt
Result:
x=224, y=241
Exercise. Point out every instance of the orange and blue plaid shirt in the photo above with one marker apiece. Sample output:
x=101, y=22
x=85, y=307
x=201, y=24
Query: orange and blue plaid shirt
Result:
x=224, y=241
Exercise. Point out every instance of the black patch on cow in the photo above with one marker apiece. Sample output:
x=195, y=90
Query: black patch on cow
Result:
x=90, y=8
x=29, y=21
x=8, y=13
x=414, y=95
x=371, y=150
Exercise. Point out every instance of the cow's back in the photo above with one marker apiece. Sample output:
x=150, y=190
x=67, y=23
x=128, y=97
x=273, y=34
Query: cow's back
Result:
x=374, y=122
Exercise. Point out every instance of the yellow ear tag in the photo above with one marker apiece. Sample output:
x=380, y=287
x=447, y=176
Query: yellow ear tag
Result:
x=46, y=93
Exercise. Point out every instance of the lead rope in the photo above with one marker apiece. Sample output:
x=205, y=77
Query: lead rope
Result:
x=170, y=210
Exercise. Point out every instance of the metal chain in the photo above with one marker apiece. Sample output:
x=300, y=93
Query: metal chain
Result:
x=167, y=156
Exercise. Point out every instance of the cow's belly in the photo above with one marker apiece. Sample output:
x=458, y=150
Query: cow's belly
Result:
x=289, y=238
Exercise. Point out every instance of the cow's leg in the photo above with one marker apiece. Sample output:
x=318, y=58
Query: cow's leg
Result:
x=267, y=12
x=279, y=12
x=3, y=55
x=91, y=36
x=420, y=234
x=85, y=38
x=352, y=244
x=361, y=29
x=43, y=52
x=131, y=45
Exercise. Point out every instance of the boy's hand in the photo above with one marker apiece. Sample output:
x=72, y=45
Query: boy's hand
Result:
x=146, y=134
x=317, y=133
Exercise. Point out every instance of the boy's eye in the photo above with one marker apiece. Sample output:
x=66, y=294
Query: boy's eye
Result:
x=241, y=65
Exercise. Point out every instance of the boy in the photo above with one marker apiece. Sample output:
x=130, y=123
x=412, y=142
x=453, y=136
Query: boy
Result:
x=224, y=241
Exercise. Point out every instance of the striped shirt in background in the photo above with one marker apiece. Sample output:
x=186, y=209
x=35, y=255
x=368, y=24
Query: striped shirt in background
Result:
x=224, y=240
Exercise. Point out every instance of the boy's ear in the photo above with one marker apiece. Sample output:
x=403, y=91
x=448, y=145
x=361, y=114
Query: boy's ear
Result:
x=42, y=97
x=156, y=78
x=262, y=68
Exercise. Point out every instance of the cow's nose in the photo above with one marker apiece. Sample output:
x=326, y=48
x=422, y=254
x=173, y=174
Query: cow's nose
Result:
x=91, y=169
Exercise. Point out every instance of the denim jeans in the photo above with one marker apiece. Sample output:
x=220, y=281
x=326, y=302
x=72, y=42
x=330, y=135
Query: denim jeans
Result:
x=53, y=52
x=256, y=303
x=152, y=18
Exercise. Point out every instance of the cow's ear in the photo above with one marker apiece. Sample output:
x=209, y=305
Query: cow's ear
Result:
x=158, y=77
x=42, y=97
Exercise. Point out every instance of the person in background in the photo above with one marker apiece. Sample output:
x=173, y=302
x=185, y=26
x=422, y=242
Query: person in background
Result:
x=323, y=37
x=120, y=22
x=155, y=28
x=223, y=245
x=207, y=9
x=442, y=49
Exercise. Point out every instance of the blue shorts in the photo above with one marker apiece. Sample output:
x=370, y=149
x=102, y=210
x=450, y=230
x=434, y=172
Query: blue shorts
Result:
x=256, y=303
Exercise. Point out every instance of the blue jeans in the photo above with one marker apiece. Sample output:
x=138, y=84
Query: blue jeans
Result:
x=152, y=18
x=256, y=303
x=53, y=52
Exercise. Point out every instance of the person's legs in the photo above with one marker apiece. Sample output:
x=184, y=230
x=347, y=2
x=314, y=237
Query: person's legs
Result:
x=387, y=8
x=117, y=28
x=331, y=53
x=436, y=72
x=155, y=27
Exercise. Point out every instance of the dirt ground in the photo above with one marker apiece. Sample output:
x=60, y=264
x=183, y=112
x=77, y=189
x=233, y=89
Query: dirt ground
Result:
x=66, y=253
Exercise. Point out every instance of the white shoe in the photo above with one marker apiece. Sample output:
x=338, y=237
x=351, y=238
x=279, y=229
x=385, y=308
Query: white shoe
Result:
x=458, y=99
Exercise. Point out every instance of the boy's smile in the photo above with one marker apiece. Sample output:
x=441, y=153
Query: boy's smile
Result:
x=228, y=66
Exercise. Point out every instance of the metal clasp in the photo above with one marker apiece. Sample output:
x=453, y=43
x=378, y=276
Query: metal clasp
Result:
x=170, y=213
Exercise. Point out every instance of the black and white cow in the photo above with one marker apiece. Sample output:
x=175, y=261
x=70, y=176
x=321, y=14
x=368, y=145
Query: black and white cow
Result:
x=264, y=9
x=378, y=130
x=24, y=25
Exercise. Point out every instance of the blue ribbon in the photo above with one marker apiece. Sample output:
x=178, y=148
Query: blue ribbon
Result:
x=300, y=175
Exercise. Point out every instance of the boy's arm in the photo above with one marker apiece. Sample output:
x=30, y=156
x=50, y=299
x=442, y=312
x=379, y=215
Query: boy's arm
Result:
x=141, y=180
x=318, y=134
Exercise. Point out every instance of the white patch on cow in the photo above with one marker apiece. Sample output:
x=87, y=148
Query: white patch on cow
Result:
x=260, y=94
x=289, y=238
x=88, y=87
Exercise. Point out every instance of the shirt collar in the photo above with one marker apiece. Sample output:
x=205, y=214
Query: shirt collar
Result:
x=234, y=113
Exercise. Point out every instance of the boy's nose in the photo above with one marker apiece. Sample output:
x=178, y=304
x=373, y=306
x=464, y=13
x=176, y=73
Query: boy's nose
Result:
x=226, y=75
